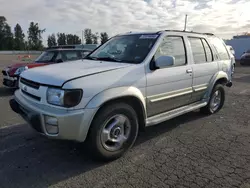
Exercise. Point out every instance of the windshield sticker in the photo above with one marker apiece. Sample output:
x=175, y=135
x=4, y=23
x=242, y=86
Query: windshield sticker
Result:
x=148, y=36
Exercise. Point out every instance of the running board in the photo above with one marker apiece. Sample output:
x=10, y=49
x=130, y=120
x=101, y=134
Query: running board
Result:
x=174, y=113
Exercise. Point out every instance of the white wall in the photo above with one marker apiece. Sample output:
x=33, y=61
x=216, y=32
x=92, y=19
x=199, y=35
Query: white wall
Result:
x=239, y=45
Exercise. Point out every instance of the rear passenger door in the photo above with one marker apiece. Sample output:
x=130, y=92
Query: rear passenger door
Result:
x=204, y=66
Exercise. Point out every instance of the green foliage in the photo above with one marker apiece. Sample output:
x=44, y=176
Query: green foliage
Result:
x=88, y=36
x=18, y=38
x=73, y=39
x=95, y=38
x=51, y=40
x=35, y=37
x=6, y=36
x=61, y=39
x=104, y=37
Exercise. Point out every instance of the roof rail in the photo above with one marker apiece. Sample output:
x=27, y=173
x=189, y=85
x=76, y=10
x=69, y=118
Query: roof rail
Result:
x=187, y=32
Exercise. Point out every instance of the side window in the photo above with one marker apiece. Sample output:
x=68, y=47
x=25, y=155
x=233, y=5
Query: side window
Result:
x=173, y=46
x=208, y=51
x=84, y=53
x=71, y=55
x=59, y=56
x=198, y=50
x=220, y=48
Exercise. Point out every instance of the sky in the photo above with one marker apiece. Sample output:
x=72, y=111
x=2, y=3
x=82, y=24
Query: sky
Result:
x=225, y=18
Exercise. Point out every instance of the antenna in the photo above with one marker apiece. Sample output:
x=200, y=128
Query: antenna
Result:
x=185, y=27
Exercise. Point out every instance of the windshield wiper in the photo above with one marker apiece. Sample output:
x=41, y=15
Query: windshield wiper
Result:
x=104, y=59
x=91, y=58
x=108, y=59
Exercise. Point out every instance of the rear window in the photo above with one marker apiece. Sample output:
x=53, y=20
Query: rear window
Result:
x=46, y=56
x=70, y=55
x=220, y=48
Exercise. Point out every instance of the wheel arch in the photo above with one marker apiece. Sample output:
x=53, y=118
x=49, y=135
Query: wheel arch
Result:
x=130, y=95
x=219, y=78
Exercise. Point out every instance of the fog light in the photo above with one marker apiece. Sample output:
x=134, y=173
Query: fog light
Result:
x=51, y=124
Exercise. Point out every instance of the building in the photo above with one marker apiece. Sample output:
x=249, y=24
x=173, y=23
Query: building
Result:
x=240, y=44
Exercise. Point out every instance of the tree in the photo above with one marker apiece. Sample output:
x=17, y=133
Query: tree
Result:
x=88, y=36
x=35, y=36
x=61, y=39
x=104, y=37
x=73, y=39
x=2, y=34
x=6, y=36
x=95, y=38
x=8, y=39
x=19, y=38
x=51, y=40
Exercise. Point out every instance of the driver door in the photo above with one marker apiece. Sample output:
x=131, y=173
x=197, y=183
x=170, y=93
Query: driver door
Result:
x=171, y=87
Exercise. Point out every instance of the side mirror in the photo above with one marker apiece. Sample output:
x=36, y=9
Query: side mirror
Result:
x=164, y=61
x=59, y=61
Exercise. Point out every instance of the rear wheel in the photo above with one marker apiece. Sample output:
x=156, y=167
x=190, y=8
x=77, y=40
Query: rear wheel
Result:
x=216, y=101
x=113, y=131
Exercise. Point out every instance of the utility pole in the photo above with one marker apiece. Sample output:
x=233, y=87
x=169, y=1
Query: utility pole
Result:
x=185, y=27
x=82, y=36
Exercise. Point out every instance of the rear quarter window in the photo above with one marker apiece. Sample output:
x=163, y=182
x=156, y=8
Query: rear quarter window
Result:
x=220, y=48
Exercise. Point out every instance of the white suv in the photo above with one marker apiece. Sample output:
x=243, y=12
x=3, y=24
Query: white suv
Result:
x=133, y=81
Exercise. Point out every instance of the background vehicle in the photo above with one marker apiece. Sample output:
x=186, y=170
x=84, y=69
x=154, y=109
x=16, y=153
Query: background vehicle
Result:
x=245, y=58
x=230, y=48
x=133, y=81
x=232, y=55
x=50, y=56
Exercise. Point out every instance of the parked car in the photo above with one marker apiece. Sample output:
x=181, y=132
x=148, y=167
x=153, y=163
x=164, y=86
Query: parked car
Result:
x=231, y=50
x=232, y=55
x=50, y=56
x=245, y=58
x=133, y=81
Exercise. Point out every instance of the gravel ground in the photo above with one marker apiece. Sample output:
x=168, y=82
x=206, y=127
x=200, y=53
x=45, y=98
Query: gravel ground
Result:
x=190, y=151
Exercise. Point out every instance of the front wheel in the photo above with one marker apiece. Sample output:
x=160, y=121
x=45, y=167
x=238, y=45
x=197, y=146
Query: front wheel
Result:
x=113, y=131
x=216, y=101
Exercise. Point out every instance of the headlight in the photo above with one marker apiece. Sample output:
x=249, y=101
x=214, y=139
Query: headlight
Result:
x=65, y=98
x=20, y=70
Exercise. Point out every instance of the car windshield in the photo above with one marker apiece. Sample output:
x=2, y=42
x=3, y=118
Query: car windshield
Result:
x=46, y=57
x=126, y=48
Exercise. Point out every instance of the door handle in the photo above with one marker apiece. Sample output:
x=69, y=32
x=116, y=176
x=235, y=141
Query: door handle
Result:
x=189, y=71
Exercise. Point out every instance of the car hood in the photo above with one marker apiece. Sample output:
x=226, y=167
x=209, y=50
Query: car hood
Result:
x=245, y=54
x=58, y=74
x=14, y=67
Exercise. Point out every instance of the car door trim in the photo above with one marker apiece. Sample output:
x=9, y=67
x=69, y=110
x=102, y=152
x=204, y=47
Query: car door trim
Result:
x=169, y=95
x=200, y=87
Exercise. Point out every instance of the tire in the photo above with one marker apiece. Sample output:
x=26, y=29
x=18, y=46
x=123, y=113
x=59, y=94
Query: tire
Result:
x=120, y=112
x=210, y=109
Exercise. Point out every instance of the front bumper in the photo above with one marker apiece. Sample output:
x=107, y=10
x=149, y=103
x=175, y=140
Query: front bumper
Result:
x=71, y=124
x=11, y=82
x=245, y=61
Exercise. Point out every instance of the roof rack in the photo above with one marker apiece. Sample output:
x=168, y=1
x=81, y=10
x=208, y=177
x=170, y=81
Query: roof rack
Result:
x=187, y=32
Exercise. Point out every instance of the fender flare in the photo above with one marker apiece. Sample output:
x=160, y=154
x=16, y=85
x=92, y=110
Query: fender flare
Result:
x=116, y=93
x=219, y=75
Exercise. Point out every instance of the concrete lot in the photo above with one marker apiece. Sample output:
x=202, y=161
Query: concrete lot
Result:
x=190, y=151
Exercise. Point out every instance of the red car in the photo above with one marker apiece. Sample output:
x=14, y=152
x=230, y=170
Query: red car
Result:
x=51, y=56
